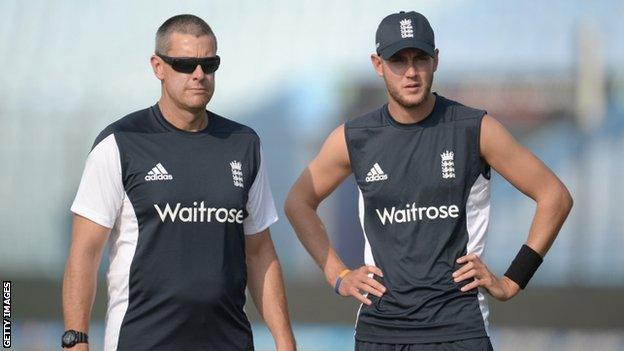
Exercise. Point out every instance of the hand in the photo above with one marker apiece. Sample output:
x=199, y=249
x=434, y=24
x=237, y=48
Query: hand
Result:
x=78, y=347
x=501, y=289
x=357, y=282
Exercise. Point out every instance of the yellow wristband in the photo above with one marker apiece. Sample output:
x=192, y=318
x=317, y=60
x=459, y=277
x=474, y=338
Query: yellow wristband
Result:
x=344, y=272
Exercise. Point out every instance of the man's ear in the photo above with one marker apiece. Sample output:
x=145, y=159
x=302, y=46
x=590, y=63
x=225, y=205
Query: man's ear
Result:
x=158, y=67
x=377, y=62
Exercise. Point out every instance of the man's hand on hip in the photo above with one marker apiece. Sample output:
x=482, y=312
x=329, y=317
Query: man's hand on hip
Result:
x=501, y=289
x=359, y=281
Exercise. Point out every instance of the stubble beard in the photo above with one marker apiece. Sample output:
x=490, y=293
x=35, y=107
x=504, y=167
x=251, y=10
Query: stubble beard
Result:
x=404, y=102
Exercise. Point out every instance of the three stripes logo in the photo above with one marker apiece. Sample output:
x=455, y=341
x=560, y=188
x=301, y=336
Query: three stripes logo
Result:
x=158, y=173
x=376, y=174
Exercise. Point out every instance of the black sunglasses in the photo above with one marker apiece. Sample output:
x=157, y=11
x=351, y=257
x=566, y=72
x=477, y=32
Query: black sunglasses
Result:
x=188, y=64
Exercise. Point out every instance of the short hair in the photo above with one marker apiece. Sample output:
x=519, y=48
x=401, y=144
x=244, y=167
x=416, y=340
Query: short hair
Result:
x=184, y=24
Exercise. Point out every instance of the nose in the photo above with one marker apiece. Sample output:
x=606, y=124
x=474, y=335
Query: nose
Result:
x=411, y=70
x=198, y=73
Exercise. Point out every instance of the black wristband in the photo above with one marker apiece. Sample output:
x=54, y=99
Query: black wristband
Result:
x=523, y=267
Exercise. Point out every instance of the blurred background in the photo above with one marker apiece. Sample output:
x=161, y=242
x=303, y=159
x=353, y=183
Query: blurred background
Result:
x=293, y=70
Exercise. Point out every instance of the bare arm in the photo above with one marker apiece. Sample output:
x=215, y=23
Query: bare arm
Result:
x=267, y=288
x=330, y=167
x=529, y=175
x=80, y=279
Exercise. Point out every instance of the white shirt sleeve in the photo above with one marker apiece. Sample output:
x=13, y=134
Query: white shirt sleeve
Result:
x=260, y=205
x=101, y=191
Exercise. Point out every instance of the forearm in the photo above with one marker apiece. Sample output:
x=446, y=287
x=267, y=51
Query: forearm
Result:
x=313, y=236
x=550, y=214
x=79, y=286
x=267, y=290
x=551, y=211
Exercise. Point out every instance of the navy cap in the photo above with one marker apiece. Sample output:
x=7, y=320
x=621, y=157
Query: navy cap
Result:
x=404, y=30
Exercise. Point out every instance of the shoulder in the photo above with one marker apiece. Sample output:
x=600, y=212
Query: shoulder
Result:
x=225, y=126
x=492, y=130
x=140, y=121
x=371, y=119
x=456, y=111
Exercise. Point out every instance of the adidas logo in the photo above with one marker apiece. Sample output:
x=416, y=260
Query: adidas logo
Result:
x=375, y=174
x=158, y=173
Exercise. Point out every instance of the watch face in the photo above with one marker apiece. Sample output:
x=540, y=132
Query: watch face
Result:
x=69, y=338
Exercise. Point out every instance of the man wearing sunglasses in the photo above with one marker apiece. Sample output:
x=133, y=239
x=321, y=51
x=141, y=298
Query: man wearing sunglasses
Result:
x=422, y=166
x=182, y=196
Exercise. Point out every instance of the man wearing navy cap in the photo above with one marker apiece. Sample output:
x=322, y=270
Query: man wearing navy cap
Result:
x=422, y=166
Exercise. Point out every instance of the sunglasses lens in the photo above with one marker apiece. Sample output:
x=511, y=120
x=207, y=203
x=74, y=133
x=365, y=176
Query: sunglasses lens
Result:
x=209, y=67
x=184, y=66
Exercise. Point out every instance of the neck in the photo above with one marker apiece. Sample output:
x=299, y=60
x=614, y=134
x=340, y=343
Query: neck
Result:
x=414, y=114
x=190, y=121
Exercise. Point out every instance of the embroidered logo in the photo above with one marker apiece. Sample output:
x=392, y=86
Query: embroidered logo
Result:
x=407, y=31
x=448, y=164
x=237, y=173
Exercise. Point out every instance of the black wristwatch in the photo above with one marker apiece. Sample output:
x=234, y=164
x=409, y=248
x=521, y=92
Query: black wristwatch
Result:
x=72, y=337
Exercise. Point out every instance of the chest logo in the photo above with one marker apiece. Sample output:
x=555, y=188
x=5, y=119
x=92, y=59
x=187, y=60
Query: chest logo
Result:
x=448, y=164
x=158, y=173
x=376, y=174
x=237, y=173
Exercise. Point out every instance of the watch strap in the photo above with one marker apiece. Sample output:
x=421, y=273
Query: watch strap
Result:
x=82, y=338
x=78, y=337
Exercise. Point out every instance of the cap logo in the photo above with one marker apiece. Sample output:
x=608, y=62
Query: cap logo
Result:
x=407, y=31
